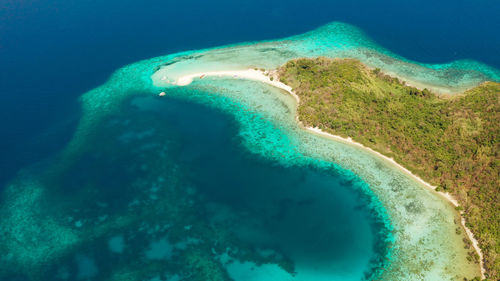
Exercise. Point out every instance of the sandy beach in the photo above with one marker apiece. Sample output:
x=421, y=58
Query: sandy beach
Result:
x=265, y=77
x=250, y=74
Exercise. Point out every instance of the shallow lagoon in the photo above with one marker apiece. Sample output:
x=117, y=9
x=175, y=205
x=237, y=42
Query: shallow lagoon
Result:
x=165, y=188
x=148, y=170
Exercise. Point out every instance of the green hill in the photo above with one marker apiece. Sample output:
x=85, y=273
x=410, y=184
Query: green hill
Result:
x=450, y=141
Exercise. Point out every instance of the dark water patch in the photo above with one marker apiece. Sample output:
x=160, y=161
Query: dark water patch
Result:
x=165, y=188
x=303, y=211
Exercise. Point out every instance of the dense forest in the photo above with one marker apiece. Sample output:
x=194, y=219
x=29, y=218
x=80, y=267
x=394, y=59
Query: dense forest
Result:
x=450, y=141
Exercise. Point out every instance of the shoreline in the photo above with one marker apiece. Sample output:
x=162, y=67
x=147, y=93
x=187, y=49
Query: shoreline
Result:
x=445, y=196
x=440, y=90
x=262, y=76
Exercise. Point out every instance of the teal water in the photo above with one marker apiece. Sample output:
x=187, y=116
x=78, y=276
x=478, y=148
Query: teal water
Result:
x=216, y=181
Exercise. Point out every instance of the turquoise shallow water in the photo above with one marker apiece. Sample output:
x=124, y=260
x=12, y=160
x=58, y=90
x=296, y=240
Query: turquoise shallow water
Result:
x=332, y=40
x=217, y=181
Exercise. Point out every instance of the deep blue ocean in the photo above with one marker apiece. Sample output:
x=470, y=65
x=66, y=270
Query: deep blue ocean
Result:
x=53, y=51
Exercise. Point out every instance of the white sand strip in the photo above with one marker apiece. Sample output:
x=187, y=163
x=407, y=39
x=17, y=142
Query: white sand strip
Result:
x=250, y=74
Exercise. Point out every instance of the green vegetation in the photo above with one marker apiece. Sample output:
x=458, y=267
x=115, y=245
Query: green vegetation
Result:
x=450, y=141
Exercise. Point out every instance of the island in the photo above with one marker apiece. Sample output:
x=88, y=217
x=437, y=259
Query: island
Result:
x=452, y=142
